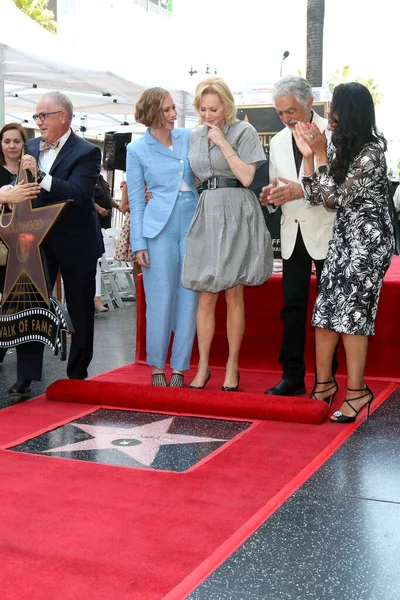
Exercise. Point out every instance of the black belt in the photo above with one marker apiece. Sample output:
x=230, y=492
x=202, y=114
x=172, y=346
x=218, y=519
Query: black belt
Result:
x=220, y=182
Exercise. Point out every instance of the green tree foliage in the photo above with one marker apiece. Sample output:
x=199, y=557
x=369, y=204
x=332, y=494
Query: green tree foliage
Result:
x=38, y=11
x=344, y=75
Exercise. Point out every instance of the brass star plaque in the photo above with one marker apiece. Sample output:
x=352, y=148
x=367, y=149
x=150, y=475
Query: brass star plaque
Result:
x=27, y=312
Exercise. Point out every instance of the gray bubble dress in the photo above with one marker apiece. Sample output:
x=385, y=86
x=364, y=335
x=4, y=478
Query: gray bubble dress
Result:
x=228, y=242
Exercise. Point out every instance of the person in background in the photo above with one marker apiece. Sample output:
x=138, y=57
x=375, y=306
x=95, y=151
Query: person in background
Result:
x=228, y=244
x=12, y=139
x=350, y=176
x=67, y=168
x=396, y=201
x=305, y=230
x=124, y=251
x=104, y=204
x=158, y=231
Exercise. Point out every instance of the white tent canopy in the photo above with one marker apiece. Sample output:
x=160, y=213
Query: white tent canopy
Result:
x=33, y=61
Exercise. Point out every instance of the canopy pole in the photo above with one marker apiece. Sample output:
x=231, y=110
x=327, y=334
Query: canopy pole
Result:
x=2, y=104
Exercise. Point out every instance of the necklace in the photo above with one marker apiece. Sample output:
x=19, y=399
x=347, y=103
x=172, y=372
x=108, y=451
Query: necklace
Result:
x=1, y=217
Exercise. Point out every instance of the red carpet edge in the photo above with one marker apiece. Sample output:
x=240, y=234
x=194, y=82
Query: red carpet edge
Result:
x=192, y=581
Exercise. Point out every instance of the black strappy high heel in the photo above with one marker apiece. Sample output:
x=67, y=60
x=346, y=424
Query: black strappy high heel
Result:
x=341, y=418
x=328, y=399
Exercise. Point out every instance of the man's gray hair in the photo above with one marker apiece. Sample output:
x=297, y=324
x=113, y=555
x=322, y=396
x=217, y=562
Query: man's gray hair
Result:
x=293, y=85
x=62, y=101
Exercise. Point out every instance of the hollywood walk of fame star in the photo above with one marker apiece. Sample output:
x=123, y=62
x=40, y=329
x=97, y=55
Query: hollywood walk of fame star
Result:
x=141, y=442
x=23, y=235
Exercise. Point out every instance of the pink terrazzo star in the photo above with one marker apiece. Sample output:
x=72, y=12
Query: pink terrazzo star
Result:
x=140, y=442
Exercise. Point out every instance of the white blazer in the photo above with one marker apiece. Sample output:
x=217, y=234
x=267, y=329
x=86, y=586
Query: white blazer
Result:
x=315, y=222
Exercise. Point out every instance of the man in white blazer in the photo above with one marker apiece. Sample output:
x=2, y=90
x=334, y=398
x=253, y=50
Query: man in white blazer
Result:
x=305, y=230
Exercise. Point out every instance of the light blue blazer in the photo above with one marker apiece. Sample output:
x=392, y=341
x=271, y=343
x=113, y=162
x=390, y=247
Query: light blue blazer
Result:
x=163, y=170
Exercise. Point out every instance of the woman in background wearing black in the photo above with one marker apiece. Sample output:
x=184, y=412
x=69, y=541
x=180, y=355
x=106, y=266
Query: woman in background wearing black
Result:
x=12, y=139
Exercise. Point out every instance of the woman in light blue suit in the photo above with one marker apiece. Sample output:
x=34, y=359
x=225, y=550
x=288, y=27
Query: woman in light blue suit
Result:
x=159, y=229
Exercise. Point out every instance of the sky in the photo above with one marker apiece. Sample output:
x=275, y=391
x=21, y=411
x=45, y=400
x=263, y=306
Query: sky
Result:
x=246, y=38
x=245, y=41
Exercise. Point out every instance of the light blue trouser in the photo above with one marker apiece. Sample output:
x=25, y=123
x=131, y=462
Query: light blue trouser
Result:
x=170, y=306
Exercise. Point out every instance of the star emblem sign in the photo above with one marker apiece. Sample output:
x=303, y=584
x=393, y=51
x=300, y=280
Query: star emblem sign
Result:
x=23, y=235
x=141, y=442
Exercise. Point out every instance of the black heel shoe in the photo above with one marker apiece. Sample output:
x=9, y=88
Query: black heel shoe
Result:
x=226, y=388
x=201, y=387
x=341, y=418
x=328, y=399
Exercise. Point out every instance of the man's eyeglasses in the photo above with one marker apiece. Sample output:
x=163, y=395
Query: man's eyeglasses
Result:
x=42, y=116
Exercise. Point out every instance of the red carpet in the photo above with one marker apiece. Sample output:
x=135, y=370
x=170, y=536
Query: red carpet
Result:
x=184, y=401
x=262, y=338
x=74, y=529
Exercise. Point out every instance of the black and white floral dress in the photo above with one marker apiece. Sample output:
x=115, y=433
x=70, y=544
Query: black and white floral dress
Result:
x=362, y=245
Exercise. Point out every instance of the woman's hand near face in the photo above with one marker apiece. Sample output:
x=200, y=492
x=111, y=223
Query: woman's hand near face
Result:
x=301, y=133
x=215, y=135
x=318, y=141
x=313, y=137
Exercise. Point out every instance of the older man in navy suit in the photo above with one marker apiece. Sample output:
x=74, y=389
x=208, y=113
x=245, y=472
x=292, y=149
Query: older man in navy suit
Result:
x=67, y=168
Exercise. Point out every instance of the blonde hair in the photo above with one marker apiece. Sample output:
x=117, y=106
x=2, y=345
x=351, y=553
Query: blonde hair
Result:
x=216, y=85
x=148, y=109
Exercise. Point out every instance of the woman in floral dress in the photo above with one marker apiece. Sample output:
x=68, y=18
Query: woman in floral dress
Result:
x=123, y=250
x=362, y=245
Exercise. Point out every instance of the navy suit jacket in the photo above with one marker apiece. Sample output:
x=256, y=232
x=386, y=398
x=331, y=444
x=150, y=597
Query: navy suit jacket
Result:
x=76, y=236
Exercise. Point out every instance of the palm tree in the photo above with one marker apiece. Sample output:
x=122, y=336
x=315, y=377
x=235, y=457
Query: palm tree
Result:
x=344, y=75
x=37, y=10
x=315, y=39
x=373, y=87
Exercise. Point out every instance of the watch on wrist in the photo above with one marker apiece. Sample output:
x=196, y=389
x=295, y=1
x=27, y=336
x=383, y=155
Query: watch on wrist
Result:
x=323, y=169
x=40, y=176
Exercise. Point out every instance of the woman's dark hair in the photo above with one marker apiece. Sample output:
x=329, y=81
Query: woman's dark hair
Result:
x=353, y=106
x=6, y=128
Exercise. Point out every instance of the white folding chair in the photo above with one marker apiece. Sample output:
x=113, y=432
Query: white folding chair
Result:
x=116, y=276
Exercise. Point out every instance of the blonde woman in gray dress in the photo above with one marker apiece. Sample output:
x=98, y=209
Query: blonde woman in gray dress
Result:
x=228, y=245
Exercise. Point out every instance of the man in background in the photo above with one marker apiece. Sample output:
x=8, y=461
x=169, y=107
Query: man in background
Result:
x=67, y=169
